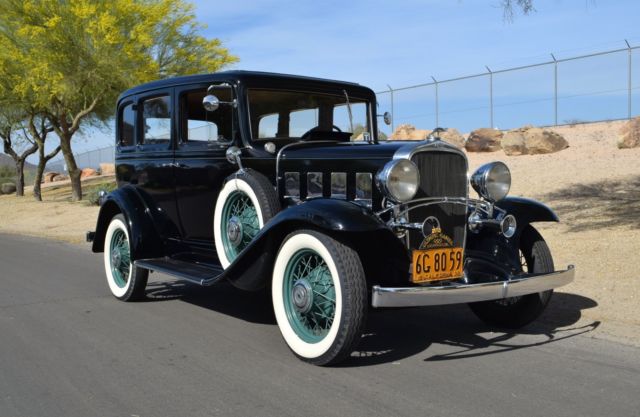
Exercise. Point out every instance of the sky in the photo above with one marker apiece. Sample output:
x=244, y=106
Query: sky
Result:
x=403, y=43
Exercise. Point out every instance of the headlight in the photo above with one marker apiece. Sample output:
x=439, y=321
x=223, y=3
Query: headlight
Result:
x=398, y=180
x=492, y=181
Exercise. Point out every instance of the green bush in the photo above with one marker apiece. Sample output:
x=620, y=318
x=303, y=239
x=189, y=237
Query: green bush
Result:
x=7, y=174
x=92, y=193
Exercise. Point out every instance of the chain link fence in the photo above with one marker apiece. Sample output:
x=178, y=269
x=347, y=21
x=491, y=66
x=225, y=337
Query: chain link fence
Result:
x=89, y=159
x=588, y=88
x=601, y=86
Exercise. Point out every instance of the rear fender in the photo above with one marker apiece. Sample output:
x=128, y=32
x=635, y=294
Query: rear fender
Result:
x=143, y=233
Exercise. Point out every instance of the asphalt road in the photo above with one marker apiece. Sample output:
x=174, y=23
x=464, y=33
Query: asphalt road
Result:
x=68, y=348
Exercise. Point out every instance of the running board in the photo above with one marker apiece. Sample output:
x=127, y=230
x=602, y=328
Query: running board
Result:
x=197, y=273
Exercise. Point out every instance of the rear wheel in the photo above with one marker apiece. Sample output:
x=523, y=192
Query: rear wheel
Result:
x=126, y=281
x=319, y=297
x=515, y=312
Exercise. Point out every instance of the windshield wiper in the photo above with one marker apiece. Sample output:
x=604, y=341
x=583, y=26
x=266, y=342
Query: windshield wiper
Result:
x=349, y=109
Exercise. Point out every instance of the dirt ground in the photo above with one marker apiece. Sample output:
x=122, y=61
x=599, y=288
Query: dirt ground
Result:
x=593, y=186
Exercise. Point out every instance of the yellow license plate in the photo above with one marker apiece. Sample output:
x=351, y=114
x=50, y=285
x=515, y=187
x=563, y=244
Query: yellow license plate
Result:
x=437, y=264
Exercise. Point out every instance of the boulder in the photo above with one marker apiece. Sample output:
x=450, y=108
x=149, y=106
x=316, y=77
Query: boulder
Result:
x=59, y=178
x=629, y=134
x=7, y=188
x=483, y=140
x=453, y=136
x=109, y=169
x=539, y=141
x=409, y=132
x=48, y=176
x=513, y=142
x=530, y=140
x=88, y=172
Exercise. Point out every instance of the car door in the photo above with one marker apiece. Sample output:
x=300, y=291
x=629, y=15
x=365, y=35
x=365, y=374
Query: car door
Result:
x=200, y=163
x=154, y=157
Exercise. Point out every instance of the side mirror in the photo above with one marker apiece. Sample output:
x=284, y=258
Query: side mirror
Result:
x=210, y=102
x=386, y=117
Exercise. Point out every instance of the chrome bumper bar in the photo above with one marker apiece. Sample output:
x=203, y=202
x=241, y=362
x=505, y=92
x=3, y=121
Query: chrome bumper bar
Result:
x=469, y=293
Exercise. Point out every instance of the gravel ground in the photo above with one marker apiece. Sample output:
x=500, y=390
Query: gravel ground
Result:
x=592, y=185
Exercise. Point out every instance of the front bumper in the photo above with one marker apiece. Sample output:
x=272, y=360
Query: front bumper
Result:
x=469, y=293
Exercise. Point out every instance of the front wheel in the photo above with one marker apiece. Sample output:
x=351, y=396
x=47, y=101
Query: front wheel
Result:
x=126, y=281
x=319, y=297
x=516, y=312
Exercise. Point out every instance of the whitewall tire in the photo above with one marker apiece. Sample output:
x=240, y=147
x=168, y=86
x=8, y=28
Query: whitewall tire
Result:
x=319, y=297
x=125, y=281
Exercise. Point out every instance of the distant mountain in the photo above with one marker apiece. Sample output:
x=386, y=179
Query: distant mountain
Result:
x=6, y=160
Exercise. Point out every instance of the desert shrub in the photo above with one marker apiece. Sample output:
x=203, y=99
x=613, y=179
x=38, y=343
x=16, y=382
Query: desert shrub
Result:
x=7, y=174
x=92, y=193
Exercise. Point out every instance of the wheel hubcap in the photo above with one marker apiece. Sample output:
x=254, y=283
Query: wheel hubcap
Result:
x=302, y=294
x=234, y=231
x=116, y=258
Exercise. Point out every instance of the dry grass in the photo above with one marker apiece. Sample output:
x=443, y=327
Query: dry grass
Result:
x=56, y=217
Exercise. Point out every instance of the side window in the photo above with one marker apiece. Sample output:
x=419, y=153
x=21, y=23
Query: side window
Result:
x=127, y=123
x=156, y=120
x=268, y=126
x=200, y=126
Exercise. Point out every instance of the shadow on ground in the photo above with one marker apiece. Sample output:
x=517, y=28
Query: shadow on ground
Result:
x=395, y=334
x=598, y=205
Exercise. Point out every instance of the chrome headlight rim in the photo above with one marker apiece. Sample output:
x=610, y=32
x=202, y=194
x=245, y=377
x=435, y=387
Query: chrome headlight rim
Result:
x=389, y=173
x=482, y=181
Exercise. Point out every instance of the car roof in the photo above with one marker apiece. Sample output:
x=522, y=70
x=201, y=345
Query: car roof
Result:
x=240, y=75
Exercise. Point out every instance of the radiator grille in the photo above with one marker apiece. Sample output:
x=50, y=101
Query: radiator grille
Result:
x=442, y=174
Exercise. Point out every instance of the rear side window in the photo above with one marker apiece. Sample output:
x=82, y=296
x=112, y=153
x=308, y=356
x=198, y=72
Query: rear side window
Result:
x=127, y=123
x=156, y=120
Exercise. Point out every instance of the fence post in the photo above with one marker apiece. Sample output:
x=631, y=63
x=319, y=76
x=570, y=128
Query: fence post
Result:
x=629, y=82
x=490, y=96
x=435, y=82
x=555, y=89
x=393, y=112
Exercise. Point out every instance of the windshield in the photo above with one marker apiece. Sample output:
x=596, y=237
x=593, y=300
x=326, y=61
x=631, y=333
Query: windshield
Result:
x=279, y=114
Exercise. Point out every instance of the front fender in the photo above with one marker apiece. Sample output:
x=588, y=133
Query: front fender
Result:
x=345, y=221
x=494, y=248
x=527, y=211
x=144, y=238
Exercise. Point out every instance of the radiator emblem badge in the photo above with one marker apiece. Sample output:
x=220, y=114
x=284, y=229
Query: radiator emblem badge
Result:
x=436, y=240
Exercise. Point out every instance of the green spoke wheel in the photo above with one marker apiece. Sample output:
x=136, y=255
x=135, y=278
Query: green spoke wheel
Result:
x=309, y=295
x=126, y=281
x=120, y=257
x=240, y=220
x=319, y=297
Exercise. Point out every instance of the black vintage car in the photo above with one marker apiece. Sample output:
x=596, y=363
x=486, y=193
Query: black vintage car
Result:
x=274, y=180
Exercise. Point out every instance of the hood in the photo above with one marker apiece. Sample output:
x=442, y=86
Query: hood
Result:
x=341, y=151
